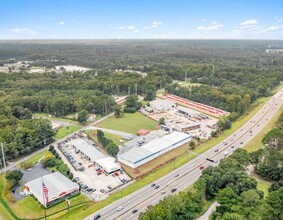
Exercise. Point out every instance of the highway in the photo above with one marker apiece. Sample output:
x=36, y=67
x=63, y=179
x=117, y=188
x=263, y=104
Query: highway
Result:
x=190, y=172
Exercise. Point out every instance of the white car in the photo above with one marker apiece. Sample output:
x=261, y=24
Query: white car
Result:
x=163, y=192
x=120, y=208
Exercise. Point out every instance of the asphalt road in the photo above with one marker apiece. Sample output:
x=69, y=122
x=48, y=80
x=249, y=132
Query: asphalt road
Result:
x=190, y=172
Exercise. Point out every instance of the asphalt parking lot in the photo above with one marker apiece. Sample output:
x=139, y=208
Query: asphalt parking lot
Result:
x=37, y=171
x=101, y=184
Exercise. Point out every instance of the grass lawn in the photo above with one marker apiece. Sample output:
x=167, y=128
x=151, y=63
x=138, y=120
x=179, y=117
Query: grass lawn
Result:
x=130, y=123
x=44, y=115
x=35, y=158
x=64, y=131
x=263, y=186
x=113, y=137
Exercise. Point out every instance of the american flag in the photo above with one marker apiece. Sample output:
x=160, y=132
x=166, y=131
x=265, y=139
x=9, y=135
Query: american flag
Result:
x=45, y=192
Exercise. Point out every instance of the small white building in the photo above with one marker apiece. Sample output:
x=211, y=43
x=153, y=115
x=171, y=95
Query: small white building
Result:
x=108, y=164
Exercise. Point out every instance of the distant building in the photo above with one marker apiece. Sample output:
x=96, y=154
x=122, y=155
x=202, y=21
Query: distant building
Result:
x=59, y=188
x=142, y=132
x=162, y=105
x=187, y=127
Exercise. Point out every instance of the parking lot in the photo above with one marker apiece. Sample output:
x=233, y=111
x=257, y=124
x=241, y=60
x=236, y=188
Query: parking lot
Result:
x=175, y=120
x=94, y=181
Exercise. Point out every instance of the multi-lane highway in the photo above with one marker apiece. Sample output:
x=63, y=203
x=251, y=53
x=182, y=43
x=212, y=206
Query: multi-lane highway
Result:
x=187, y=174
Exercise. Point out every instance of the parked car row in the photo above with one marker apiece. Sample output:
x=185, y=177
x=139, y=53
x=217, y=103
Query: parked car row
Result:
x=78, y=166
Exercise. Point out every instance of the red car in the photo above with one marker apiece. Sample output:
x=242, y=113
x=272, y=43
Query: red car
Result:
x=201, y=168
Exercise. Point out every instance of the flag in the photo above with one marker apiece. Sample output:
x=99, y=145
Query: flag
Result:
x=45, y=193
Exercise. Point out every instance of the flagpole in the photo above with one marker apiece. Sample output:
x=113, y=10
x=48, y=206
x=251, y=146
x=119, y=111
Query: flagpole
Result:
x=44, y=199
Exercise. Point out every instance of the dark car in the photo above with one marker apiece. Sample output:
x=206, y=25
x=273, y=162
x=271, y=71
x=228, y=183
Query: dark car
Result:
x=216, y=150
x=96, y=217
x=156, y=187
x=152, y=185
x=241, y=142
x=173, y=190
x=134, y=211
x=201, y=168
x=176, y=175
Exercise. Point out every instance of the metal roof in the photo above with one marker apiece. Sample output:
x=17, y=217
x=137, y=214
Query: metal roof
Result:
x=135, y=155
x=56, y=184
x=87, y=149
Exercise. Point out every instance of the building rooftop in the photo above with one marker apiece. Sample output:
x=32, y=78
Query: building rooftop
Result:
x=188, y=110
x=56, y=183
x=87, y=149
x=109, y=164
x=155, y=146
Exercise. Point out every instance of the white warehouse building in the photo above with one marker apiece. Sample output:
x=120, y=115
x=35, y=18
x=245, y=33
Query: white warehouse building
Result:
x=141, y=155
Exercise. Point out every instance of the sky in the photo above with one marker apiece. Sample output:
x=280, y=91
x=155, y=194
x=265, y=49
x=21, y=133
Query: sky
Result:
x=141, y=19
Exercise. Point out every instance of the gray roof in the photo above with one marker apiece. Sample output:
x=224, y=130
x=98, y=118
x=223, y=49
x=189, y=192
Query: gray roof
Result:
x=56, y=184
x=87, y=149
x=188, y=110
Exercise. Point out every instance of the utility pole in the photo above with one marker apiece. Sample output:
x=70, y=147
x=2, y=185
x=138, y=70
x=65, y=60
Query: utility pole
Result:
x=105, y=108
x=3, y=155
x=186, y=76
x=136, y=89
x=213, y=69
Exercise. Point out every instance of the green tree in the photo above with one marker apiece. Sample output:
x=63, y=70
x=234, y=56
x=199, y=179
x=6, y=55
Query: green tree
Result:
x=15, y=175
x=118, y=111
x=82, y=116
x=51, y=162
x=112, y=148
x=161, y=121
x=100, y=135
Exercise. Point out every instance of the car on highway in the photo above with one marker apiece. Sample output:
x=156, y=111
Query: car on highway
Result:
x=156, y=187
x=152, y=185
x=232, y=146
x=163, y=192
x=201, y=168
x=216, y=150
x=96, y=217
x=225, y=143
x=173, y=190
x=176, y=175
x=134, y=211
x=120, y=208
x=216, y=161
x=242, y=142
x=226, y=153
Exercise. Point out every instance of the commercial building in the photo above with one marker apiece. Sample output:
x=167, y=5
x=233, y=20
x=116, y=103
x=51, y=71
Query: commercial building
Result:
x=58, y=188
x=141, y=155
x=162, y=105
x=107, y=163
x=187, y=127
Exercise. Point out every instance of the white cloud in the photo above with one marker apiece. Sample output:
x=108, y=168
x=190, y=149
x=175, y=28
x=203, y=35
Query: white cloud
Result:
x=137, y=30
x=154, y=24
x=248, y=24
x=214, y=26
x=201, y=28
x=24, y=32
x=129, y=27
x=61, y=23
x=273, y=28
x=280, y=21
x=252, y=25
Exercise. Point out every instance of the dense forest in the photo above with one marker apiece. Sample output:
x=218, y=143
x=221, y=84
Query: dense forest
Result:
x=232, y=187
x=232, y=74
